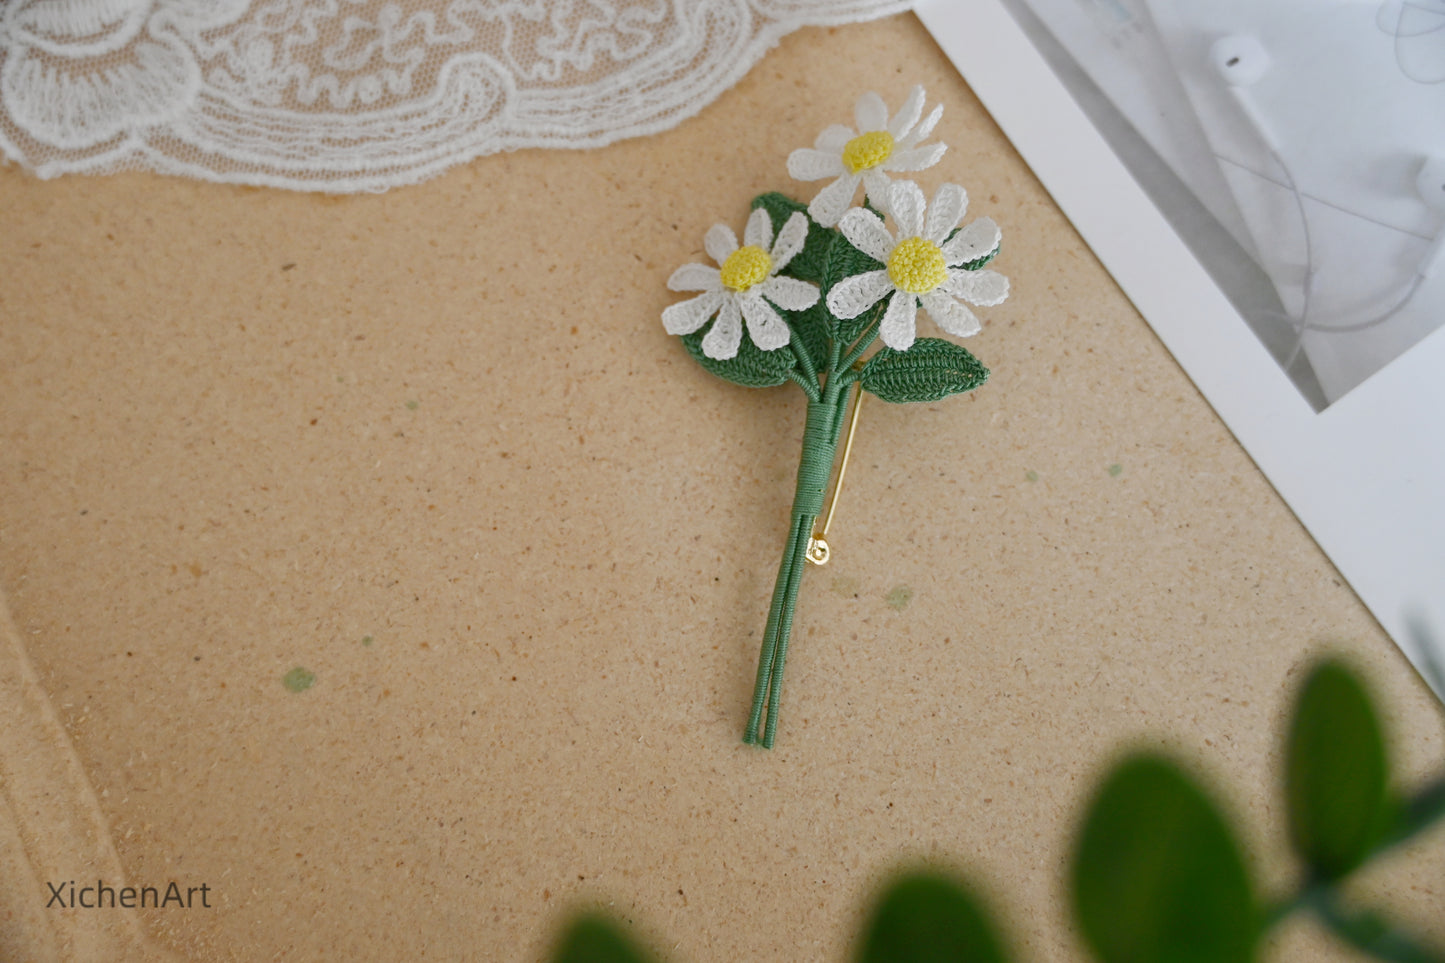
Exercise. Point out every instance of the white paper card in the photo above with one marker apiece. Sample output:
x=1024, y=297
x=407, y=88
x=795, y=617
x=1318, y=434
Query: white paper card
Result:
x=1366, y=475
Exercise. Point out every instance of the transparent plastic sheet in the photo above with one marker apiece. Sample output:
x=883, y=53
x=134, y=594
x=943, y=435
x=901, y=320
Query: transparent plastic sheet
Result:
x=53, y=835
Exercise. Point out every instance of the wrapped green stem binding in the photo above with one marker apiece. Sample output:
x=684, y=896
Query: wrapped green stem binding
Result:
x=820, y=445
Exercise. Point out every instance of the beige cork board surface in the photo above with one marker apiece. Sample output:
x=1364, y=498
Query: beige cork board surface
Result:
x=434, y=447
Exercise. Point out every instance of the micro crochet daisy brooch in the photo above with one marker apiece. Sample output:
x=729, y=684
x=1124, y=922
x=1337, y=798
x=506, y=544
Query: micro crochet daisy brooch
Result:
x=809, y=294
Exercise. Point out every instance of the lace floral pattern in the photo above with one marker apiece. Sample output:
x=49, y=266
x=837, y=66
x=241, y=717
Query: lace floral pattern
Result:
x=363, y=95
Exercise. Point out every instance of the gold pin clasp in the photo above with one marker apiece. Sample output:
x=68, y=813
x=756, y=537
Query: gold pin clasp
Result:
x=818, y=549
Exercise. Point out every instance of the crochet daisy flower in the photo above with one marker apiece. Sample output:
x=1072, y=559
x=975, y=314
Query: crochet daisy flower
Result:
x=921, y=265
x=743, y=287
x=851, y=157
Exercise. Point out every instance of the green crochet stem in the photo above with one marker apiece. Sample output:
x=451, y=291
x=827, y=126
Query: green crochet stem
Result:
x=815, y=470
x=775, y=637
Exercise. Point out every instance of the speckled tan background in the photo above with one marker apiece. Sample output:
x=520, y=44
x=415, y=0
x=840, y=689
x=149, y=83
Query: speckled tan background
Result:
x=243, y=431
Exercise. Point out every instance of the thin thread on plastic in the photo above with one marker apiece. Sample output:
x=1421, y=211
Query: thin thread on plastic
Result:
x=1418, y=32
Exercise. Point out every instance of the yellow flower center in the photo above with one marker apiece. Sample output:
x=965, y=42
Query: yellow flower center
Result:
x=917, y=266
x=745, y=267
x=868, y=150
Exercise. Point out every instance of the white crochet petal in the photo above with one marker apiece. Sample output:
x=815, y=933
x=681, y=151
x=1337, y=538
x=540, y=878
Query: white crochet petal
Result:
x=790, y=294
x=685, y=317
x=900, y=322
x=719, y=242
x=951, y=316
x=833, y=200
x=972, y=243
x=908, y=114
x=696, y=277
x=852, y=296
x=808, y=164
x=916, y=136
x=871, y=113
x=834, y=138
x=759, y=230
x=906, y=204
x=722, y=340
x=985, y=287
x=866, y=232
x=790, y=241
x=876, y=183
x=765, y=326
x=949, y=204
x=914, y=159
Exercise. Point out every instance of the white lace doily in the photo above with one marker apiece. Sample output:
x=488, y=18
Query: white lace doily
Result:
x=357, y=95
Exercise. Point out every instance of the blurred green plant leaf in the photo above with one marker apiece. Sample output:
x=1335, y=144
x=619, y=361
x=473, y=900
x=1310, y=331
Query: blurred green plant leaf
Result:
x=1336, y=773
x=1418, y=814
x=1157, y=873
x=1371, y=933
x=592, y=938
x=928, y=371
x=928, y=917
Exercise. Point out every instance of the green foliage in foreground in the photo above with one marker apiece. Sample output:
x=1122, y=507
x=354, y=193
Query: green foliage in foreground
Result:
x=1157, y=873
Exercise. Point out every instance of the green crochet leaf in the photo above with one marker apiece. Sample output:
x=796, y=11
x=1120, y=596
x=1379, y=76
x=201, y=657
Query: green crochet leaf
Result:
x=930, y=370
x=826, y=259
x=848, y=331
x=811, y=327
x=807, y=264
x=751, y=367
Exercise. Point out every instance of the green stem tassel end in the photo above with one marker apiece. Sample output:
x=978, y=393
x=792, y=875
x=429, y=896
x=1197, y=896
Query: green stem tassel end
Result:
x=820, y=443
